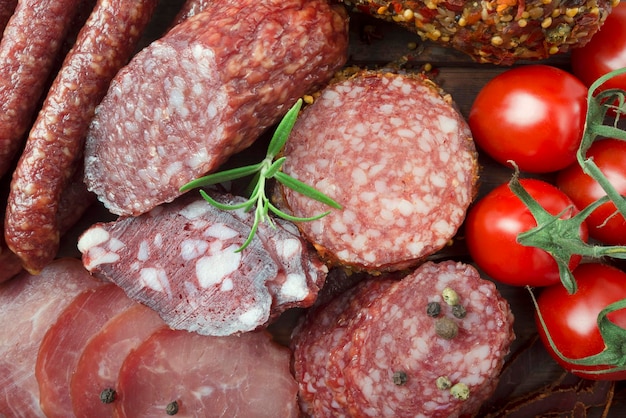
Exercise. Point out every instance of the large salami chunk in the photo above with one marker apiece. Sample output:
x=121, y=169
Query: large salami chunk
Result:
x=205, y=91
x=190, y=375
x=395, y=152
x=63, y=344
x=181, y=259
x=431, y=344
x=98, y=367
x=29, y=305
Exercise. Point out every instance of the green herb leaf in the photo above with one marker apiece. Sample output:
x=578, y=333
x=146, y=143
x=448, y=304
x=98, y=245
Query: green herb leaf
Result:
x=283, y=130
x=222, y=176
x=305, y=189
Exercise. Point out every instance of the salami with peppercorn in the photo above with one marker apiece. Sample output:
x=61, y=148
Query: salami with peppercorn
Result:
x=205, y=91
x=500, y=31
x=398, y=357
x=395, y=152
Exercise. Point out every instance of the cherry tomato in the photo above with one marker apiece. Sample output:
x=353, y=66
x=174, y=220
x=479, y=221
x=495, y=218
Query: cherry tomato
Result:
x=533, y=115
x=605, y=52
x=610, y=156
x=571, y=320
x=491, y=230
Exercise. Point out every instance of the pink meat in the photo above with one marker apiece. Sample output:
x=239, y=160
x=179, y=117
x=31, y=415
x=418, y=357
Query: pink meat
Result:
x=235, y=376
x=205, y=91
x=397, y=155
x=29, y=305
x=64, y=342
x=180, y=259
x=98, y=367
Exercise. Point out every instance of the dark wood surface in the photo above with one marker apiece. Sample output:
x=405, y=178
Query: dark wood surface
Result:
x=532, y=374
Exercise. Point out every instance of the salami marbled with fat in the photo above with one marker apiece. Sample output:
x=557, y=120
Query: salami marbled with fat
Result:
x=205, y=91
x=397, y=155
x=387, y=361
x=180, y=259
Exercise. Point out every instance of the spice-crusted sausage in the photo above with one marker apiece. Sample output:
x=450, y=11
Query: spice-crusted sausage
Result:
x=395, y=152
x=28, y=51
x=497, y=31
x=205, y=91
x=55, y=144
x=386, y=355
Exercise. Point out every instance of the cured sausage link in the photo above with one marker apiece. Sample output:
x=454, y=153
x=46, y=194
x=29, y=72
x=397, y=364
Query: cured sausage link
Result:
x=30, y=44
x=54, y=146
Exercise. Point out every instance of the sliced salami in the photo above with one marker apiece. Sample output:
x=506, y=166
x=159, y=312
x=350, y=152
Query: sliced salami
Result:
x=181, y=259
x=29, y=305
x=395, y=357
x=190, y=375
x=64, y=342
x=395, y=152
x=98, y=367
x=205, y=91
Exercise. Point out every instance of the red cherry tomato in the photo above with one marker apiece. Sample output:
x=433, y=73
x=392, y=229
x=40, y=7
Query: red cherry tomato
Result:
x=533, y=115
x=491, y=230
x=605, y=52
x=571, y=320
x=604, y=223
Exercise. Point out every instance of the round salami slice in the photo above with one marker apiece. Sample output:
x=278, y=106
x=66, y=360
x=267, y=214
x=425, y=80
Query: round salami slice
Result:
x=98, y=367
x=188, y=375
x=64, y=342
x=402, y=362
x=397, y=155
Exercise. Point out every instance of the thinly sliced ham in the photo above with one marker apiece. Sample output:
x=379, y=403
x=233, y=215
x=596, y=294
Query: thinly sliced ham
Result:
x=98, y=367
x=29, y=305
x=64, y=342
x=194, y=375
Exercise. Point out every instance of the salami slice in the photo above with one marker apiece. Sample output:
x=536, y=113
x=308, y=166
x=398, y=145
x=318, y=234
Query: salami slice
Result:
x=180, y=259
x=205, y=91
x=194, y=375
x=98, y=367
x=397, y=155
x=31, y=41
x=29, y=305
x=54, y=147
x=64, y=342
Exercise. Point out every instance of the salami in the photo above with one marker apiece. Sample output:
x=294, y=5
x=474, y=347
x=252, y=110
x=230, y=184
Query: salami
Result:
x=186, y=374
x=99, y=364
x=180, y=259
x=395, y=152
x=55, y=143
x=31, y=41
x=501, y=32
x=392, y=358
x=29, y=305
x=205, y=91
x=65, y=340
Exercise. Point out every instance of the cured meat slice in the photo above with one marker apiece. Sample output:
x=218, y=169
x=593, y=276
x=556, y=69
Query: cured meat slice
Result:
x=31, y=41
x=98, y=367
x=235, y=376
x=54, y=147
x=392, y=357
x=205, y=91
x=180, y=259
x=64, y=342
x=29, y=305
x=397, y=155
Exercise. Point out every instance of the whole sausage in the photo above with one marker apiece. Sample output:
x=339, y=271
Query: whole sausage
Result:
x=500, y=32
x=28, y=51
x=205, y=91
x=55, y=144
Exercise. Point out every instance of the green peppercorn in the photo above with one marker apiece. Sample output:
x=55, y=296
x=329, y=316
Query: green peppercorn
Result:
x=460, y=391
x=450, y=296
x=443, y=383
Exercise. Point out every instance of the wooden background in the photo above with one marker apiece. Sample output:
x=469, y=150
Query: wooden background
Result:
x=533, y=384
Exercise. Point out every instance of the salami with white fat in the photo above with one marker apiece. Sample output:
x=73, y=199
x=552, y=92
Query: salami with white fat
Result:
x=392, y=357
x=181, y=259
x=205, y=91
x=395, y=152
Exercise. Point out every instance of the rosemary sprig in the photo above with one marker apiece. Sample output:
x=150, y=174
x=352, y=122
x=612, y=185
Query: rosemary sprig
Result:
x=263, y=171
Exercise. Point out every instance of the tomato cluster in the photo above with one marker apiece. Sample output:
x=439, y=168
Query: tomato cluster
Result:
x=533, y=118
